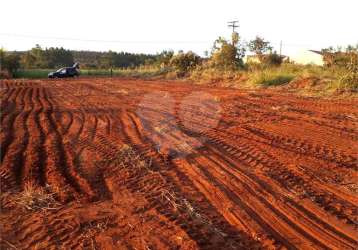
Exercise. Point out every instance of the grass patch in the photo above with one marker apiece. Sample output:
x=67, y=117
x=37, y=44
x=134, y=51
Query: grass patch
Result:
x=270, y=77
x=204, y=74
x=139, y=72
x=127, y=157
x=34, y=198
x=346, y=83
x=32, y=73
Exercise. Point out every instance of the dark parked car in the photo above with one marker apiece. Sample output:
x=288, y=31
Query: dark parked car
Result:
x=65, y=72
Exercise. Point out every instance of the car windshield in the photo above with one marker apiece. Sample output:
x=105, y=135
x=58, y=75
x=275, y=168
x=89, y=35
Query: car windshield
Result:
x=59, y=70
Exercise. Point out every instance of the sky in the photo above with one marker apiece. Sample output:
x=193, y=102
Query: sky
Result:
x=144, y=26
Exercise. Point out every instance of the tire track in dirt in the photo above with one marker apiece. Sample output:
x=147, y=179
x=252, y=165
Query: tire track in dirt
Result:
x=269, y=197
x=253, y=182
x=230, y=191
x=7, y=104
x=137, y=139
x=14, y=158
x=53, y=172
x=8, y=115
x=289, y=180
x=31, y=169
x=305, y=148
x=103, y=145
x=249, y=159
x=65, y=156
x=252, y=138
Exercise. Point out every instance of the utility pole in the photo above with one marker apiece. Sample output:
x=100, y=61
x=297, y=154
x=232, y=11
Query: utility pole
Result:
x=281, y=48
x=233, y=25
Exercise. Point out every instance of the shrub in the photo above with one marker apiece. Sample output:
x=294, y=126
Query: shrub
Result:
x=226, y=55
x=272, y=59
x=185, y=62
x=9, y=62
x=339, y=58
x=348, y=82
x=259, y=46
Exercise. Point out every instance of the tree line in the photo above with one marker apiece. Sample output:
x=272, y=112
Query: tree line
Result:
x=225, y=54
x=52, y=58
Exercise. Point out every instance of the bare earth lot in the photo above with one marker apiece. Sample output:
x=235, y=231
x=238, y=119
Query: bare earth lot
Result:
x=126, y=164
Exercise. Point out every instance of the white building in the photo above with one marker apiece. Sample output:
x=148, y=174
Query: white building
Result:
x=308, y=57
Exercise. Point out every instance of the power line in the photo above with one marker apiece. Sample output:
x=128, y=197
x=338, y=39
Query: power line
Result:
x=231, y=24
x=98, y=41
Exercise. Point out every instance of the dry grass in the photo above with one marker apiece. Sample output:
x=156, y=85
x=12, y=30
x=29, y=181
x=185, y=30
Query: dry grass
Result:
x=34, y=198
x=185, y=206
x=127, y=158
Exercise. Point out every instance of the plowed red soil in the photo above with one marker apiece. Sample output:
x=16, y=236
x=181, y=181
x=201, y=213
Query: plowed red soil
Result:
x=231, y=169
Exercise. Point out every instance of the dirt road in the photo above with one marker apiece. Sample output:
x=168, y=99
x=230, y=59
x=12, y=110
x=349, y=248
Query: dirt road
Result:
x=162, y=165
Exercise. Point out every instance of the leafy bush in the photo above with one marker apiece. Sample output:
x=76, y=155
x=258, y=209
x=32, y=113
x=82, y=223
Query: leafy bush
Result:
x=259, y=46
x=339, y=58
x=349, y=80
x=272, y=59
x=185, y=62
x=9, y=62
x=226, y=55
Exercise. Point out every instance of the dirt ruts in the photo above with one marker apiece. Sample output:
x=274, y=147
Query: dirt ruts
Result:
x=226, y=169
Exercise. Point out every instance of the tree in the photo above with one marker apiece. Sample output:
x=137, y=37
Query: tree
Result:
x=164, y=57
x=272, y=59
x=108, y=60
x=2, y=57
x=185, y=62
x=9, y=62
x=339, y=58
x=58, y=57
x=227, y=55
x=28, y=60
x=12, y=63
x=259, y=46
x=47, y=58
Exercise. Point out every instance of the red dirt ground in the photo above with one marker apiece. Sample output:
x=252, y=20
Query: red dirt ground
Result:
x=231, y=169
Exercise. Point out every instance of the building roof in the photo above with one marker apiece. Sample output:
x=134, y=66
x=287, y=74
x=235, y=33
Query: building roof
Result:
x=254, y=56
x=317, y=52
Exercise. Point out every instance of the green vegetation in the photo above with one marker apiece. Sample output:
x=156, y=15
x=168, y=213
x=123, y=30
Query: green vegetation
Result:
x=226, y=55
x=138, y=72
x=183, y=63
x=259, y=46
x=38, y=58
x=224, y=66
x=9, y=63
x=270, y=77
x=32, y=73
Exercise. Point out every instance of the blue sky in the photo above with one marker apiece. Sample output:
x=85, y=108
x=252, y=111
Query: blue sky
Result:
x=151, y=26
